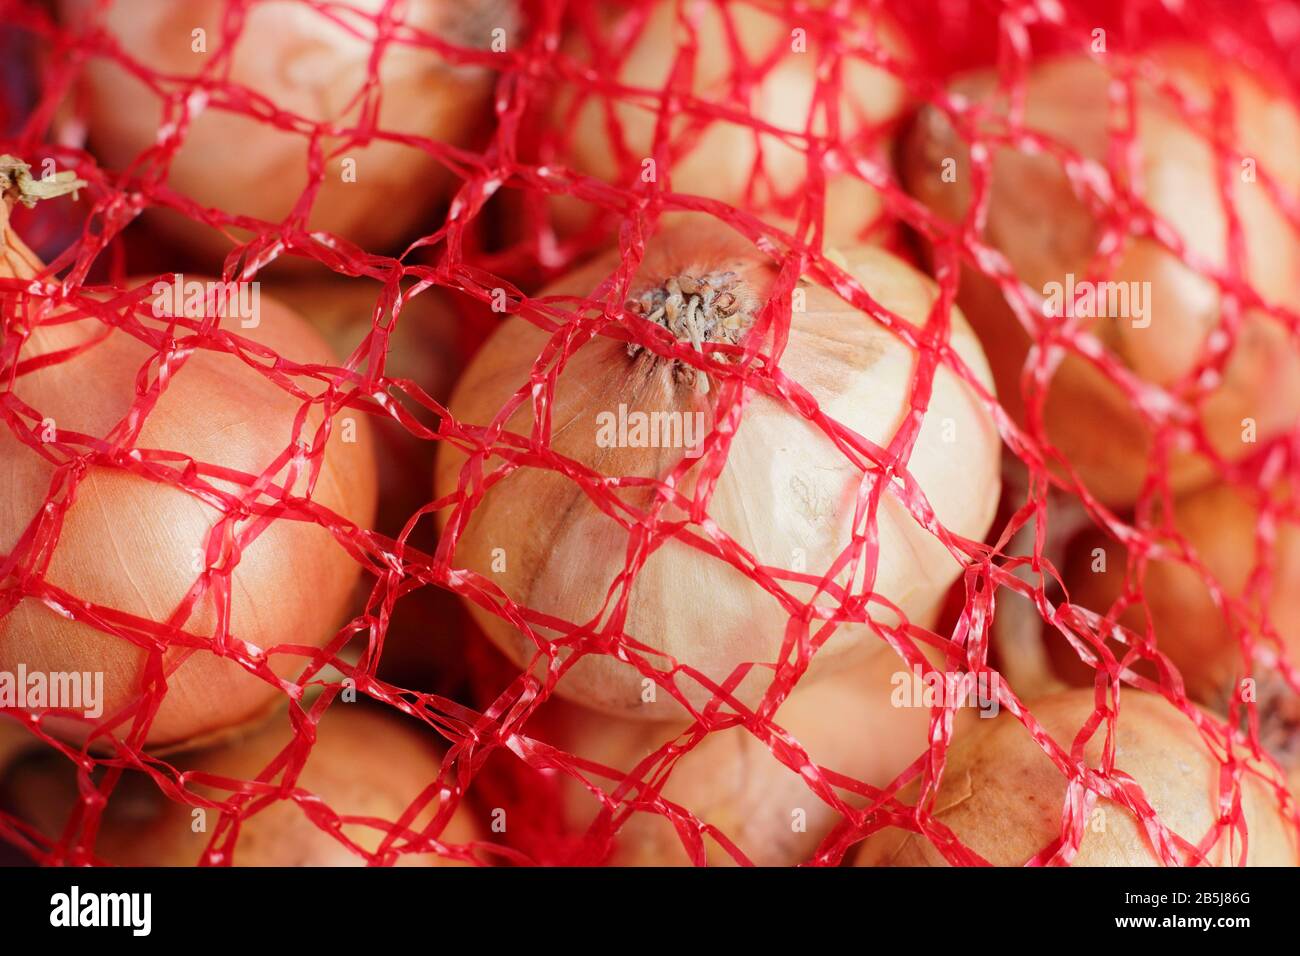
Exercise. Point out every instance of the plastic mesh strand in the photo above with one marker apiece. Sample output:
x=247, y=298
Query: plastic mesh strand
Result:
x=948, y=35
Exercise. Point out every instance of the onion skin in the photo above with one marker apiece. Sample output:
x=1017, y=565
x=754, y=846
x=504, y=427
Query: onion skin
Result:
x=130, y=544
x=363, y=763
x=562, y=552
x=1219, y=522
x=1003, y=797
x=1088, y=418
x=309, y=66
x=717, y=159
x=846, y=722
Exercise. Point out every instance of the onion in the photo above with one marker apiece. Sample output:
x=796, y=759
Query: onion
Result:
x=1004, y=798
x=1219, y=523
x=848, y=723
x=137, y=546
x=747, y=62
x=1094, y=425
x=787, y=494
x=314, y=65
x=363, y=765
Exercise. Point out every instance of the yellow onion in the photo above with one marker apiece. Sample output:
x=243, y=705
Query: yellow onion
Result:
x=1087, y=416
x=752, y=61
x=314, y=64
x=137, y=546
x=363, y=764
x=1220, y=524
x=863, y=722
x=786, y=495
x=1004, y=798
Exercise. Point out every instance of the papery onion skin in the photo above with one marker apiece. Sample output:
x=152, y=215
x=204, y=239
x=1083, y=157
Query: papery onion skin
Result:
x=135, y=545
x=1003, y=798
x=363, y=763
x=786, y=489
x=1088, y=418
x=716, y=158
x=848, y=722
x=307, y=64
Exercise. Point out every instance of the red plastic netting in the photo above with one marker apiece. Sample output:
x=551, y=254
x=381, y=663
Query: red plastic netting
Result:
x=401, y=642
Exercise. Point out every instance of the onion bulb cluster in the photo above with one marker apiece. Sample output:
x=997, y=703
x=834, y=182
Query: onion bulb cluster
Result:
x=364, y=766
x=1155, y=313
x=787, y=494
x=247, y=145
x=132, y=542
x=1003, y=797
x=749, y=61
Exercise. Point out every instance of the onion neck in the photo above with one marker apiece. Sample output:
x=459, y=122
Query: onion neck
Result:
x=714, y=307
x=18, y=185
x=17, y=261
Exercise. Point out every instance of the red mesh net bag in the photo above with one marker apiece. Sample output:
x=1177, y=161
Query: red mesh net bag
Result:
x=653, y=433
